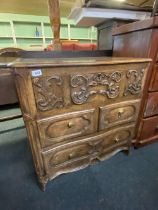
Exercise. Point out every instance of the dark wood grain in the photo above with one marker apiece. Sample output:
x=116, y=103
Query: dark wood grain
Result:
x=136, y=26
x=8, y=93
x=140, y=39
x=64, y=54
x=149, y=128
x=152, y=105
x=154, y=79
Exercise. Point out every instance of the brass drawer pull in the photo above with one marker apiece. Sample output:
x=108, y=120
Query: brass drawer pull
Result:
x=70, y=124
x=120, y=113
x=117, y=140
x=70, y=156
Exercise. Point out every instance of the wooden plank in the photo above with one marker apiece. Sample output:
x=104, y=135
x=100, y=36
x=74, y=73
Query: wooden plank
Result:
x=54, y=15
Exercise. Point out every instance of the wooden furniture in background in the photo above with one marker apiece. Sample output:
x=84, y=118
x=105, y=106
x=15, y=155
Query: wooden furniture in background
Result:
x=140, y=39
x=8, y=94
x=105, y=38
x=78, y=111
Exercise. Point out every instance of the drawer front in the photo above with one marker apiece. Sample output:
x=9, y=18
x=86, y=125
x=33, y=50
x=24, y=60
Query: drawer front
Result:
x=149, y=128
x=117, y=136
x=85, y=85
x=86, y=150
x=154, y=80
x=119, y=113
x=107, y=86
x=68, y=154
x=93, y=87
x=152, y=105
x=63, y=128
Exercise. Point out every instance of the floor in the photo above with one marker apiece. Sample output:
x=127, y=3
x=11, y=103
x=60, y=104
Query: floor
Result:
x=120, y=183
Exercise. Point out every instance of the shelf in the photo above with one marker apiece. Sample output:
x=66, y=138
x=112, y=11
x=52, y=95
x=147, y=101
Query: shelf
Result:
x=62, y=24
x=60, y=38
x=22, y=32
x=6, y=37
x=88, y=39
x=28, y=37
x=48, y=37
x=27, y=21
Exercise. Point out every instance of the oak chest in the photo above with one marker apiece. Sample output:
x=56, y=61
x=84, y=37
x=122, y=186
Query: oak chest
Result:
x=78, y=111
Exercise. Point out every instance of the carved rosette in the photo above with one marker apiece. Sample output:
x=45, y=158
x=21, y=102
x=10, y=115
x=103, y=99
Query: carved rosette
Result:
x=48, y=92
x=134, y=78
x=82, y=84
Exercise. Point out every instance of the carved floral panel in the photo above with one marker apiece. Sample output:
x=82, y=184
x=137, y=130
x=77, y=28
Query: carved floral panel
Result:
x=134, y=85
x=83, y=86
x=48, y=92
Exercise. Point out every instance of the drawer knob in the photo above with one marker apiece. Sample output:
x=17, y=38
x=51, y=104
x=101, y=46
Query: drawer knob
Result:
x=70, y=124
x=117, y=140
x=120, y=113
x=70, y=155
x=156, y=128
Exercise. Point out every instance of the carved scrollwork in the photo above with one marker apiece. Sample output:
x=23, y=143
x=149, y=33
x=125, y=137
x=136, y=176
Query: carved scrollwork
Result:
x=45, y=92
x=81, y=84
x=135, y=78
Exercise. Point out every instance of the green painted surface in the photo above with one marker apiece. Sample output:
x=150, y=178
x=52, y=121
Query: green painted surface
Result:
x=6, y=42
x=5, y=29
x=29, y=42
x=64, y=32
x=27, y=29
x=47, y=30
x=79, y=33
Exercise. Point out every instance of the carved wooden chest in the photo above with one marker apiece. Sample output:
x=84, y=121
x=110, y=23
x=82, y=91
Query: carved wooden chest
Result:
x=78, y=111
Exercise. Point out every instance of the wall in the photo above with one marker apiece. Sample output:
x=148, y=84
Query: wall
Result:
x=33, y=32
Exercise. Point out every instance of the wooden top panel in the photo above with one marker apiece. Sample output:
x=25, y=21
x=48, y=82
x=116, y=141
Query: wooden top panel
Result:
x=76, y=61
x=135, y=26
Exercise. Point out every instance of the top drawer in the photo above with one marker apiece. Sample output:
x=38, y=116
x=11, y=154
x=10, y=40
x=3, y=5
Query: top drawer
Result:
x=118, y=113
x=63, y=128
x=80, y=86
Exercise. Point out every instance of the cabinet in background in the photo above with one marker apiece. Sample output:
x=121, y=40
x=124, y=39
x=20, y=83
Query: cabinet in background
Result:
x=140, y=39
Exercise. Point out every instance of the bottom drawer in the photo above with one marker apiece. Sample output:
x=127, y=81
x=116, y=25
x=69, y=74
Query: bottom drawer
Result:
x=71, y=157
x=149, y=128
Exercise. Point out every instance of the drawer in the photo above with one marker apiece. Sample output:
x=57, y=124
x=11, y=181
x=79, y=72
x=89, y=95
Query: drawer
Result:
x=67, y=154
x=152, y=105
x=149, y=128
x=154, y=80
x=119, y=113
x=63, y=128
x=95, y=147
